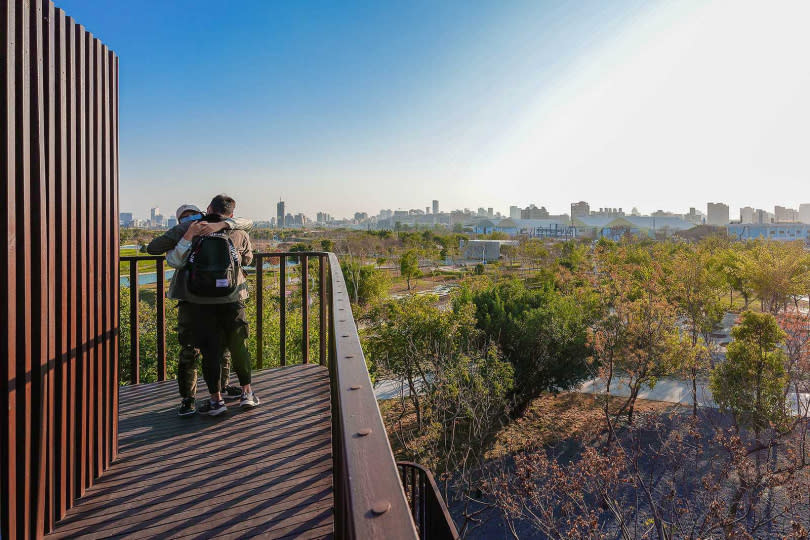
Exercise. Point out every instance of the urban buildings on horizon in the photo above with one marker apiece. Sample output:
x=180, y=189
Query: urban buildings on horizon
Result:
x=534, y=218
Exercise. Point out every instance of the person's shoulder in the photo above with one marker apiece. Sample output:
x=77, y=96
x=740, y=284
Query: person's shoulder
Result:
x=238, y=235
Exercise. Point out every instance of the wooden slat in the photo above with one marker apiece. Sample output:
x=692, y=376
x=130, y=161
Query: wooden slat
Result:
x=51, y=253
x=275, y=463
x=61, y=276
x=23, y=271
x=8, y=272
x=114, y=248
x=38, y=272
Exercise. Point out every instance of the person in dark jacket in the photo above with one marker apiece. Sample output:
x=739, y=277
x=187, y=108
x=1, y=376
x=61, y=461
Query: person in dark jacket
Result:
x=189, y=354
x=218, y=322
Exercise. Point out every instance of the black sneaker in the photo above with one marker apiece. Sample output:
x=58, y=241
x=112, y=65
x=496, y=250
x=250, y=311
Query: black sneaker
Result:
x=248, y=401
x=231, y=393
x=187, y=407
x=215, y=408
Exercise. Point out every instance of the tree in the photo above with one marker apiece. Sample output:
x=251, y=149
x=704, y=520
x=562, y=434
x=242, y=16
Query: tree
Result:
x=796, y=326
x=510, y=252
x=542, y=332
x=734, y=266
x=750, y=383
x=778, y=273
x=409, y=266
x=696, y=289
x=366, y=284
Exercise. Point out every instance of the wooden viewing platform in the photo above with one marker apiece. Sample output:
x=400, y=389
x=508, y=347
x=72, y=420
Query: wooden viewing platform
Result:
x=265, y=472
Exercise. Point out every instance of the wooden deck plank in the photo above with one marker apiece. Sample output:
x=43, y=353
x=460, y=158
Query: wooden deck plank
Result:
x=265, y=472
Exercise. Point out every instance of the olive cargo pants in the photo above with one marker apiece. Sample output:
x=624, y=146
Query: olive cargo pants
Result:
x=190, y=355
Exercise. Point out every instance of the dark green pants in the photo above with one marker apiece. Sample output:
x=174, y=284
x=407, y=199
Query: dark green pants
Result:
x=190, y=356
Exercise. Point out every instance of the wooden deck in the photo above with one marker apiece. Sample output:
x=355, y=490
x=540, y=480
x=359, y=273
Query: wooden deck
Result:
x=265, y=472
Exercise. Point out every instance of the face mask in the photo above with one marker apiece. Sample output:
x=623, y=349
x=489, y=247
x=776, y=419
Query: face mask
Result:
x=192, y=217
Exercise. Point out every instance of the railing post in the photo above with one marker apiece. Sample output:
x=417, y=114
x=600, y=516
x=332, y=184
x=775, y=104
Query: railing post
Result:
x=259, y=313
x=304, y=309
x=160, y=305
x=322, y=305
x=282, y=268
x=134, y=349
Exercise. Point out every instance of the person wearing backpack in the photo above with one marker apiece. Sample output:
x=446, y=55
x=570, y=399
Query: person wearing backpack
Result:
x=189, y=354
x=214, y=289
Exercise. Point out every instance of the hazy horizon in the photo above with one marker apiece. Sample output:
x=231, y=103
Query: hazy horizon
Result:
x=357, y=107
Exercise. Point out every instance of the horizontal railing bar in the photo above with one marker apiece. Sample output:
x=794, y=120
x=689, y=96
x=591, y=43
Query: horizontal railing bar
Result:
x=127, y=258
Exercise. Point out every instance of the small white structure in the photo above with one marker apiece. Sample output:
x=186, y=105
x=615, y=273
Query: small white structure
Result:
x=486, y=250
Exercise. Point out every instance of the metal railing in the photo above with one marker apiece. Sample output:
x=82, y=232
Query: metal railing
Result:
x=428, y=509
x=304, y=258
x=369, y=498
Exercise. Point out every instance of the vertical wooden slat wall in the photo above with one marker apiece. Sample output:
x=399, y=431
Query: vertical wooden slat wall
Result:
x=59, y=273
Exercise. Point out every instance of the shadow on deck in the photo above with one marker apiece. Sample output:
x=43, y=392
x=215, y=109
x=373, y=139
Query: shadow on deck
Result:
x=266, y=472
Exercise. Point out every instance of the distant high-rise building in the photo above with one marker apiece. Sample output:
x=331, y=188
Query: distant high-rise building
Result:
x=514, y=212
x=763, y=217
x=532, y=212
x=172, y=222
x=435, y=206
x=125, y=219
x=580, y=209
x=785, y=215
x=804, y=213
x=716, y=214
x=693, y=216
x=747, y=214
x=608, y=212
x=153, y=212
x=427, y=210
x=490, y=212
x=280, y=214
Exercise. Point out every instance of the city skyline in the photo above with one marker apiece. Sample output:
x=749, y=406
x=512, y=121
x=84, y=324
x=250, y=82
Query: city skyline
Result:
x=711, y=213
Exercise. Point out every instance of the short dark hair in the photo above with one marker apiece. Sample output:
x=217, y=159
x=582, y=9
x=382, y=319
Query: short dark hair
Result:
x=222, y=204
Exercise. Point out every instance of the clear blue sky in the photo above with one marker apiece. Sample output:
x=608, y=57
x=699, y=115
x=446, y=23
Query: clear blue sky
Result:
x=344, y=106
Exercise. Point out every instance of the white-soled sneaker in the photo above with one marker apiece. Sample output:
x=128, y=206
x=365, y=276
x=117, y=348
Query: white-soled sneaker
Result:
x=215, y=408
x=248, y=401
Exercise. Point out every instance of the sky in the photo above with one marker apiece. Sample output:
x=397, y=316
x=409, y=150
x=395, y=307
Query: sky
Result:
x=358, y=106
